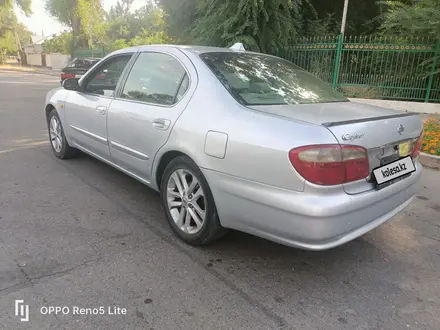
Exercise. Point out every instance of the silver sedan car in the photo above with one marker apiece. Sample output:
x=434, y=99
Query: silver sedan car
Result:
x=239, y=140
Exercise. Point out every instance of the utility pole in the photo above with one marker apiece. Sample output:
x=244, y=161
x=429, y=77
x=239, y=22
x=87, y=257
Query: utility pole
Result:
x=344, y=17
x=339, y=46
x=19, y=50
x=91, y=25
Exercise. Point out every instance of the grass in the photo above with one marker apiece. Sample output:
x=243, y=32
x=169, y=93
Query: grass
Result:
x=431, y=139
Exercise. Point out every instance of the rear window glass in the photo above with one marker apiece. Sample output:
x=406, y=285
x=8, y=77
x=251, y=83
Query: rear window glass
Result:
x=82, y=63
x=257, y=79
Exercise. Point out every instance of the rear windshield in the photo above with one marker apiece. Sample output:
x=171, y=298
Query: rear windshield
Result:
x=256, y=79
x=82, y=63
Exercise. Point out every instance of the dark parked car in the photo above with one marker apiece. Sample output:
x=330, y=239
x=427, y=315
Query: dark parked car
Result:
x=77, y=67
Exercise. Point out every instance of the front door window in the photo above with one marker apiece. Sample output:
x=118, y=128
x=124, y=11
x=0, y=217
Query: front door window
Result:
x=104, y=80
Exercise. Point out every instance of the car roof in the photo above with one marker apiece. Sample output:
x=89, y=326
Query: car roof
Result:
x=205, y=49
x=193, y=49
x=88, y=58
x=190, y=48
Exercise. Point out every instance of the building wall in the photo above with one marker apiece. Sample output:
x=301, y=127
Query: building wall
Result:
x=34, y=59
x=57, y=61
x=48, y=60
x=38, y=49
x=33, y=49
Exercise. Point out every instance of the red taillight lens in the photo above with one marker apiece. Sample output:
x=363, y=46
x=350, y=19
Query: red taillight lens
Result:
x=330, y=164
x=417, y=147
x=67, y=75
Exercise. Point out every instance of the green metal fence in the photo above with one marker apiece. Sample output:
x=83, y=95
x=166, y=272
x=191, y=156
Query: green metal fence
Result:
x=372, y=67
x=83, y=52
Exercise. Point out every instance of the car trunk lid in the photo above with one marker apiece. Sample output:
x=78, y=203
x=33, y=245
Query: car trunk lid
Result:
x=73, y=73
x=386, y=134
x=386, y=139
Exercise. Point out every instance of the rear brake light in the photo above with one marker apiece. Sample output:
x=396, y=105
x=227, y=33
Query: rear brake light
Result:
x=417, y=147
x=330, y=164
x=67, y=75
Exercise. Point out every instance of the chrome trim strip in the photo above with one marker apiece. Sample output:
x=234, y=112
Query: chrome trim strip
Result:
x=90, y=135
x=129, y=151
x=355, y=121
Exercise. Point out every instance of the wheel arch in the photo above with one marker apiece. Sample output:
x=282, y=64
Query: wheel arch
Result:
x=49, y=109
x=162, y=163
x=62, y=116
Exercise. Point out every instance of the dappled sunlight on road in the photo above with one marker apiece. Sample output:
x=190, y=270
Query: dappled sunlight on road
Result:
x=23, y=144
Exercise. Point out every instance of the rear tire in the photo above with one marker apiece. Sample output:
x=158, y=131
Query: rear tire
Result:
x=57, y=139
x=188, y=203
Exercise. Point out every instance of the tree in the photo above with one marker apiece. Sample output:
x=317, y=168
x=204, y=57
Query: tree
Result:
x=65, y=12
x=7, y=44
x=360, y=16
x=262, y=25
x=59, y=44
x=91, y=16
x=145, y=26
x=11, y=32
x=417, y=18
x=72, y=14
x=23, y=5
x=180, y=16
x=120, y=10
x=23, y=33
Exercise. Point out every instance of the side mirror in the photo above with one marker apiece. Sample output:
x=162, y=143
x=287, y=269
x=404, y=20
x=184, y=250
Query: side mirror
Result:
x=71, y=84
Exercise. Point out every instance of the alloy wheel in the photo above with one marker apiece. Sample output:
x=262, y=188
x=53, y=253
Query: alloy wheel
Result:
x=186, y=201
x=55, y=134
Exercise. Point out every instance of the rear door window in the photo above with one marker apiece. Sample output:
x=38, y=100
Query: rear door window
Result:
x=156, y=78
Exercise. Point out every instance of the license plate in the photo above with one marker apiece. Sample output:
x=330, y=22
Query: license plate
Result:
x=78, y=76
x=394, y=170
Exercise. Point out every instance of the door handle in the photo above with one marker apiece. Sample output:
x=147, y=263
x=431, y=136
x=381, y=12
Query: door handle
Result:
x=101, y=109
x=161, y=124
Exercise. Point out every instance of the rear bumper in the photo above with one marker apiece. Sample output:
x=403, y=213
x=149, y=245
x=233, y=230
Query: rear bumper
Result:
x=306, y=220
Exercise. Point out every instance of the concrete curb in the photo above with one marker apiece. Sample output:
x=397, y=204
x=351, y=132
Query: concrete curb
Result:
x=17, y=70
x=430, y=161
x=47, y=73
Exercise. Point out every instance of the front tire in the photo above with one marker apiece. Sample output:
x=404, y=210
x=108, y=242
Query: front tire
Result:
x=188, y=203
x=57, y=139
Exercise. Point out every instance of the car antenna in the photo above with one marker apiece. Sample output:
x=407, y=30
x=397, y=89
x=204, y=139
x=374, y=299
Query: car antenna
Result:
x=238, y=46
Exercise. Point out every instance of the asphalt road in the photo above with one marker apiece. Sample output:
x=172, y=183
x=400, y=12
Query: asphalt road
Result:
x=78, y=233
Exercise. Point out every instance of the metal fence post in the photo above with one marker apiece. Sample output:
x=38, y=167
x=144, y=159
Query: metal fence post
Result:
x=433, y=69
x=337, y=60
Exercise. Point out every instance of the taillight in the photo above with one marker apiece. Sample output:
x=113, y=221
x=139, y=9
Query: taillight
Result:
x=67, y=75
x=330, y=164
x=417, y=147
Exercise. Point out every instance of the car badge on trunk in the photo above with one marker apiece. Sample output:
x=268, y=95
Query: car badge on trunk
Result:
x=400, y=129
x=351, y=137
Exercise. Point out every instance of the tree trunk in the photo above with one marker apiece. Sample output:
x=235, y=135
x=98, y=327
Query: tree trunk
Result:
x=76, y=21
x=80, y=41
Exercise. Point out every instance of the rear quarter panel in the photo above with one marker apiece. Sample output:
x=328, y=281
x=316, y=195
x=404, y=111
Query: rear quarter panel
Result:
x=257, y=143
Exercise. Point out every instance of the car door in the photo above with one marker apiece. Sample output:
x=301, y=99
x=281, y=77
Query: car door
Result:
x=86, y=109
x=140, y=119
